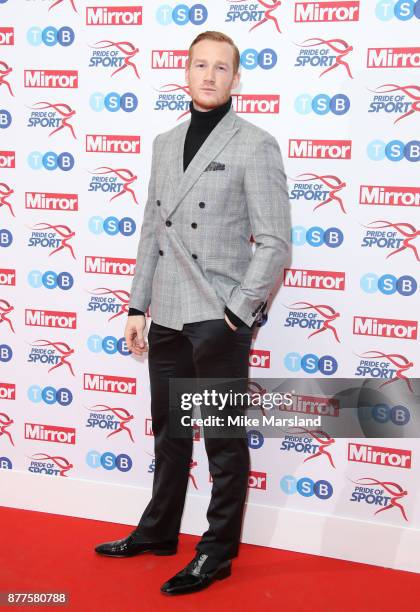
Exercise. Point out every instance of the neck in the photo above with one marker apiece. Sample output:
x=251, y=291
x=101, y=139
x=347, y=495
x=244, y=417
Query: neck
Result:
x=202, y=119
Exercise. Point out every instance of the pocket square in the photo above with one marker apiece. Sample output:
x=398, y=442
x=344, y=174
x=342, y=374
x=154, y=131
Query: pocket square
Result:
x=214, y=165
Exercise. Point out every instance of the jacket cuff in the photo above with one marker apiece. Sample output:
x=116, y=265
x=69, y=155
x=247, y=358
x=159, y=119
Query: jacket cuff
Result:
x=134, y=311
x=233, y=318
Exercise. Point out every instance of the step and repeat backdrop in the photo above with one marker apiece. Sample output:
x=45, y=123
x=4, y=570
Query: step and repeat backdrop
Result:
x=85, y=86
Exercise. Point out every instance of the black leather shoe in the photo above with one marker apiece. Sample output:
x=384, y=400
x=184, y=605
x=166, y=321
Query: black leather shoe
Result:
x=197, y=575
x=129, y=547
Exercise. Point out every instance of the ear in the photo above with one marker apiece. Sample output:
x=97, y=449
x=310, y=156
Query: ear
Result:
x=187, y=73
x=236, y=80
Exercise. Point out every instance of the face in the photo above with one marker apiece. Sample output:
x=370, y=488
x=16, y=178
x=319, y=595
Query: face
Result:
x=210, y=76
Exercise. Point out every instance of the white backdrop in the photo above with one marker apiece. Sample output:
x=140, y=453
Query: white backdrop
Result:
x=84, y=88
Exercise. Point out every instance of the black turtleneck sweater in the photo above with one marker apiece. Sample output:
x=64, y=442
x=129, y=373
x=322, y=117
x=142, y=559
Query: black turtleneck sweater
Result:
x=201, y=124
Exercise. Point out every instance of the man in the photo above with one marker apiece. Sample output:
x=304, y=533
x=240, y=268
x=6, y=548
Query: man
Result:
x=215, y=181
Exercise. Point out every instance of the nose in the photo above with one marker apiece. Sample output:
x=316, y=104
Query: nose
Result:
x=209, y=75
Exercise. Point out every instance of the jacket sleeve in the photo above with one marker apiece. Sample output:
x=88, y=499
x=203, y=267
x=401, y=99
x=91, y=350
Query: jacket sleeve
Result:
x=147, y=251
x=268, y=207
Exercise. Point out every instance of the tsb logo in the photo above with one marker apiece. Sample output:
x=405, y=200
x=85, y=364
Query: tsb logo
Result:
x=50, y=160
x=50, y=36
x=388, y=284
x=113, y=102
x=109, y=345
x=265, y=59
x=322, y=104
x=322, y=489
x=181, y=14
x=6, y=353
x=310, y=363
x=50, y=280
x=255, y=439
x=395, y=150
x=112, y=226
x=50, y=395
x=109, y=461
x=404, y=10
x=316, y=236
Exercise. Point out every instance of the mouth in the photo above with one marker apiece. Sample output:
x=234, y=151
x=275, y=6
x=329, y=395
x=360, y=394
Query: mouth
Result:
x=207, y=89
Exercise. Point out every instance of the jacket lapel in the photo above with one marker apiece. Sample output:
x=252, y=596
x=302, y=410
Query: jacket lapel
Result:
x=214, y=143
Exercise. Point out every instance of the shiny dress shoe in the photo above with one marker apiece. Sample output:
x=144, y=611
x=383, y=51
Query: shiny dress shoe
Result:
x=129, y=547
x=197, y=575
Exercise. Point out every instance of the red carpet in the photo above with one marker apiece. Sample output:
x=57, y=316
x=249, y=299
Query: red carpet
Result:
x=47, y=552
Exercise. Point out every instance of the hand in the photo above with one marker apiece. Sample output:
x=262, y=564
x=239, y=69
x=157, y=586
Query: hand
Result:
x=231, y=325
x=134, y=334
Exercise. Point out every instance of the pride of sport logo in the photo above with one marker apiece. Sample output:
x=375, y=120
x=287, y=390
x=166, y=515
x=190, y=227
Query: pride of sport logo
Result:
x=394, y=237
x=387, y=195
x=313, y=443
x=54, y=354
x=402, y=104
x=52, y=116
x=113, y=302
x=327, y=11
x=384, y=495
x=44, y=463
x=111, y=419
x=256, y=14
x=115, y=181
x=319, y=149
x=329, y=54
x=114, y=15
x=315, y=318
x=391, y=367
x=54, y=237
x=117, y=56
x=5, y=192
x=319, y=189
x=379, y=455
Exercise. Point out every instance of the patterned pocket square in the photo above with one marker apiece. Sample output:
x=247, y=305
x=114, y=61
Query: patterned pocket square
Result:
x=214, y=165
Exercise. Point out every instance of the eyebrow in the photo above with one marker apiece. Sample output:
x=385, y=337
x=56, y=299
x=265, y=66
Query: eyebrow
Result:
x=218, y=62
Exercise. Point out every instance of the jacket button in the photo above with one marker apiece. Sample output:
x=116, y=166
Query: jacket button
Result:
x=168, y=223
x=160, y=252
x=201, y=204
x=158, y=202
x=194, y=225
x=194, y=256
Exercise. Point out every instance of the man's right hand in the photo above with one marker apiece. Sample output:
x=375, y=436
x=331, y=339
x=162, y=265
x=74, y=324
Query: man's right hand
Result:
x=134, y=334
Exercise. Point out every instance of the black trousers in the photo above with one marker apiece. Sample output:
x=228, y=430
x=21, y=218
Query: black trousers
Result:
x=206, y=349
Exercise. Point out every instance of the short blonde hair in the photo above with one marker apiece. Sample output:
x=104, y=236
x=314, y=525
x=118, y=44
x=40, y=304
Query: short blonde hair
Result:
x=218, y=37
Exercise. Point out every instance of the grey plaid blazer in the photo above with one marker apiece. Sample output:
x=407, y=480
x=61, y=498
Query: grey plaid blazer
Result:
x=194, y=255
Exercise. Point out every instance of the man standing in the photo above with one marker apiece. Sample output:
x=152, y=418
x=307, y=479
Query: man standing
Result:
x=215, y=181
